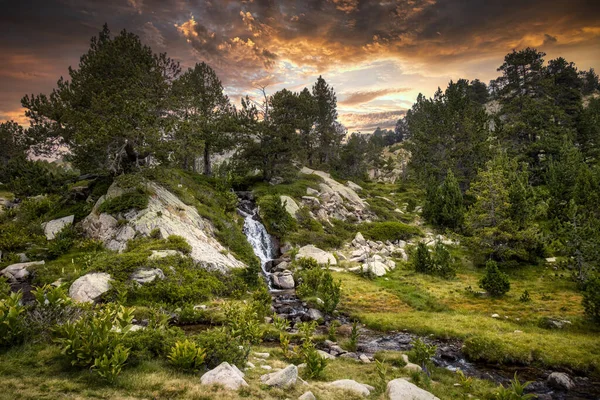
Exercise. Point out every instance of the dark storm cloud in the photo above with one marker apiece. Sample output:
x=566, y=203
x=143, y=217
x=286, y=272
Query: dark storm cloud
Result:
x=256, y=42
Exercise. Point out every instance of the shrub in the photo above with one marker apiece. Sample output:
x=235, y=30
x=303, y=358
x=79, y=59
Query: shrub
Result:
x=136, y=199
x=525, y=297
x=389, y=230
x=591, y=299
x=421, y=259
x=439, y=262
x=495, y=282
x=178, y=243
x=516, y=391
x=11, y=319
x=187, y=356
x=421, y=353
x=316, y=282
x=277, y=220
x=315, y=363
x=109, y=365
x=221, y=346
x=352, y=344
x=62, y=242
x=329, y=291
x=152, y=342
x=242, y=322
x=4, y=289
x=261, y=302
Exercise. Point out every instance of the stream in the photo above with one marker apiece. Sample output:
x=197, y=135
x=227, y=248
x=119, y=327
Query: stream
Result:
x=449, y=352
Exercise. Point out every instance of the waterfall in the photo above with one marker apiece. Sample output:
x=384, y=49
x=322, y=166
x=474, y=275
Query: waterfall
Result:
x=260, y=240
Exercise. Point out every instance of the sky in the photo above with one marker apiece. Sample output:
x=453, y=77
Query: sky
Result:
x=378, y=55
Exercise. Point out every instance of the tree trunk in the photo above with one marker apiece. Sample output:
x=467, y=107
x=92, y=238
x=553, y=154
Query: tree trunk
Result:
x=207, y=169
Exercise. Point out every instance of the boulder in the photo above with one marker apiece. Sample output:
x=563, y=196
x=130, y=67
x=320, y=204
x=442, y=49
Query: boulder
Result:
x=290, y=205
x=360, y=239
x=410, y=366
x=167, y=213
x=560, y=380
x=19, y=272
x=89, y=288
x=325, y=355
x=401, y=389
x=321, y=256
x=282, y=379
x=51, y=228
x=158, y=254
x=331, y=185
x=376, y=268
x=307, y=396
x=314, y=315
x=283, y=280
x=224, y=375
x=147, y=275
x=262, y=355
x=312, y=192
x=354, y=186
x=352, y=386
x=364, y=359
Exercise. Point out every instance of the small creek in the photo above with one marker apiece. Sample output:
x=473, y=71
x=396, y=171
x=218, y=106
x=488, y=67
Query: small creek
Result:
x=449, y=354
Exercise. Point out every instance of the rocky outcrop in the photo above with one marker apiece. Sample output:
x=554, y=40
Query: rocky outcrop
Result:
x=390, y=173
x=167, y=213
x=224, y=375
x=352, y=386
x=282, y=379
x=290, y=205
x=147, y=275
x=401, y=389
x=90, y=288
x=374, y=257
x=321, y=256
x=51, y=228
x=19, y=272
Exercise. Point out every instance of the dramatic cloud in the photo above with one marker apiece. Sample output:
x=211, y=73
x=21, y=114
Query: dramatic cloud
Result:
x=359, y=46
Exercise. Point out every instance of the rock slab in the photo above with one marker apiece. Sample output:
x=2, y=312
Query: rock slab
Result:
x=352, y=386
x=282, y=379
x=89, y=288
x=19, y=272
x=321, y=256
x=401, y=389
x=51, y=228
x=560, y=380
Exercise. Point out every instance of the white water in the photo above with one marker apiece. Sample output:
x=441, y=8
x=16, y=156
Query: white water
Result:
x=260, y=240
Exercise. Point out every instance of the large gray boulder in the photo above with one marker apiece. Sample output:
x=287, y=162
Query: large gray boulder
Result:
x=147, y=275
x=331, y=185
x=19, y=272
x=167, y=213
x=283, y=379
x=224, y=375
x=90, y=287
x=401, y=389
x=307, y=396
x=321, y=256
x=51, y=228
x=560, y=380
x=283, y=280
x=352, y=386
x=290, y=205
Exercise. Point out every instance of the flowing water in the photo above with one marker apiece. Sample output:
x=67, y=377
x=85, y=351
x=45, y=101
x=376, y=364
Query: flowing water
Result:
x=449, y=354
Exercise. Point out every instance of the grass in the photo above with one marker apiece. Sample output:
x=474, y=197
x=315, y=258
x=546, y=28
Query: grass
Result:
x=428, y=305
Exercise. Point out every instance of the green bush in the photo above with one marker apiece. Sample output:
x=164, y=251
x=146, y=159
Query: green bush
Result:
x=495, y=282
x=221, y=346
x=11, y=320
x=591, y=299
x=317, y=282
x=136, y=199
x=315, y=363
x=305, y=221
x=484, y=348
x=421, y=353
x=62, y=242
x=152, y=342
x=109, y=365
x=242, y=322
x=275, y=217
x=438, y=262
x=389, y=230
x=187, y=356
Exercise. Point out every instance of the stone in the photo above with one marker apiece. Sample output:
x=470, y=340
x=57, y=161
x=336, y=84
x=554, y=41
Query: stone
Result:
x=560, y=380
x=250, y=365
x=360, y=239
x=158, y=254
x=19, y=272
x=266, y=367
x=311, y=200
x=377, y=268
x=314, y=314
x=225, y=375
x=290, y=205
x=51, y=228
x=352, y=386
x=307, y=396
x=282, y=379
x=90, y=287
x=411, y=366
x=551, y=259
x=147, y=275
x=325, y=355
x=321, y=256
x=312, y=192
x=283, y=281
x=401, y=389
x=262, y=355
x=391, y=264
x=363, y=358
x=495, y=316
x=167, y=213
x=334, y=186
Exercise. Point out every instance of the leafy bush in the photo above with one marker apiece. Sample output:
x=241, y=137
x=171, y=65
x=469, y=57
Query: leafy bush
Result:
x=352, y=344
x=136, y=199
x=221, y=346
x=275, y=217
x=262, y=301
x=62, y=242
x=315, y=363
x=495, y=282
x=242, y=322
x=4, y=289
x=329, y=291
x=439, y=262
x=109, y=365
x=591, y=299
x=516, y=391
x=152, y=342
x=186, y=355
x=421, y=353
x=525, y=297
x=11, y=319
x=316, y=282
x=389, y=230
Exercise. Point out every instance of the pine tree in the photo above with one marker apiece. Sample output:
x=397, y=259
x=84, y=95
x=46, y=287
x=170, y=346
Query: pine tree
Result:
x=327, y=129
x=444, y=206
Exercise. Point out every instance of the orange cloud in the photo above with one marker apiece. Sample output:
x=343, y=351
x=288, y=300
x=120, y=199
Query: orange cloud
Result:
x=369, y=95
